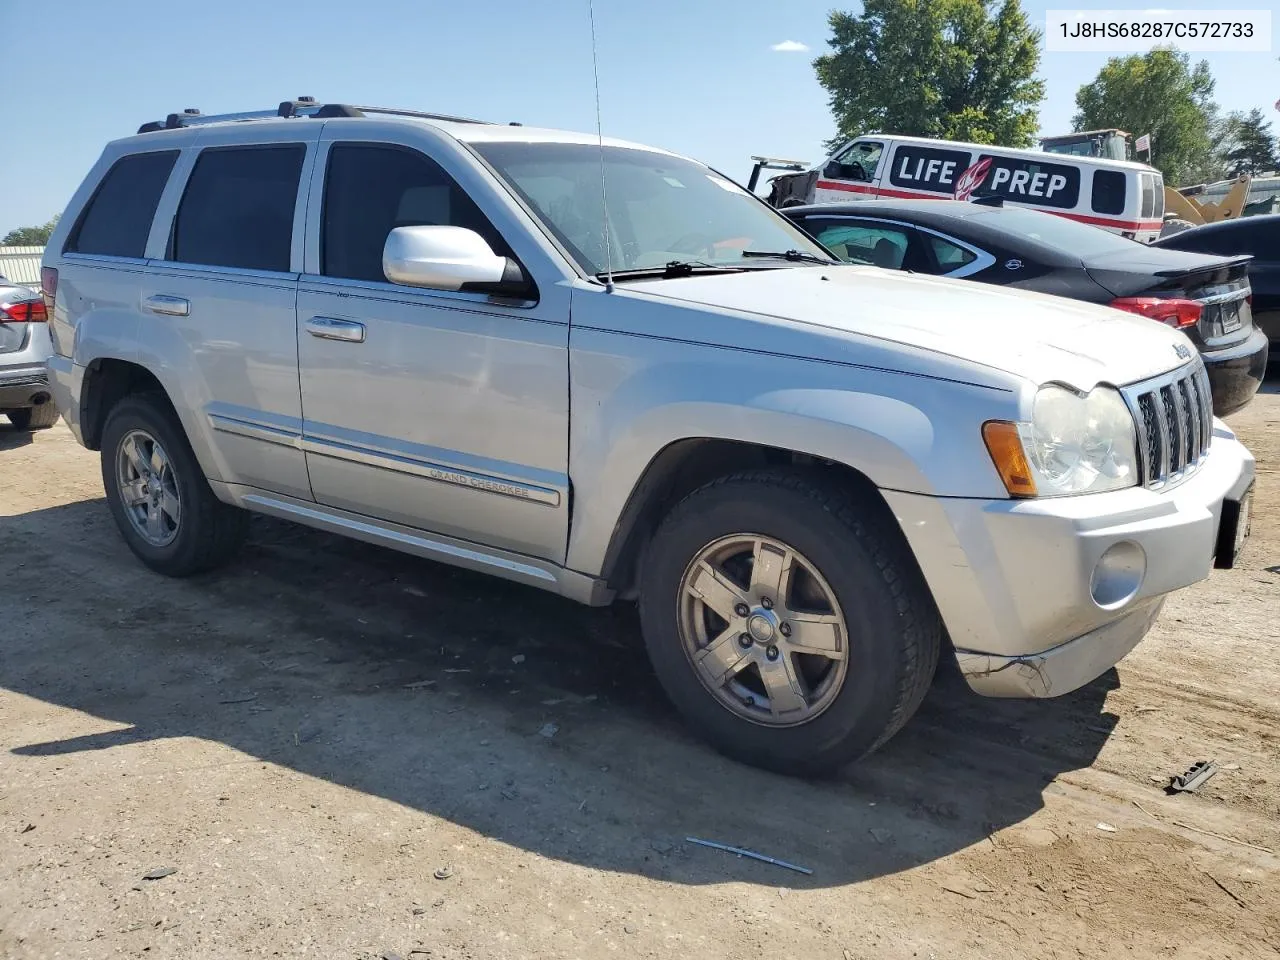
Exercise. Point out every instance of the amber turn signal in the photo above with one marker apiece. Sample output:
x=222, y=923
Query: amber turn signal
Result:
x=1005, y=447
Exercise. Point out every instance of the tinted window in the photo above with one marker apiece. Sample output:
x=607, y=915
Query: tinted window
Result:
x=237, y=210
x=878, y=245
x=1031, y=181
x=1148, y=196
x=924, y=168
x=1108, y=192
x=1067, y=236
x=949, y=256
x=118, y=218
x=371, y=189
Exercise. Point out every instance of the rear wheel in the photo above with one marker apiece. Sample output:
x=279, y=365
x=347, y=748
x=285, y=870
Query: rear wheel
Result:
x=787, y=621
x=159, y=496
x=34, y=418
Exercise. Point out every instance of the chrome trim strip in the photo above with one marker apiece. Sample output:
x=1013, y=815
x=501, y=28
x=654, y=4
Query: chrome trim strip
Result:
x=1238, y=294
x=430, y=470
x=446, y=550
x=255, y=431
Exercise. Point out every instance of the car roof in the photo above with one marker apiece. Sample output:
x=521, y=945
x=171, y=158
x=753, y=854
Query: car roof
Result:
x=928, y=212
x=1046, y=155
x=466, y=132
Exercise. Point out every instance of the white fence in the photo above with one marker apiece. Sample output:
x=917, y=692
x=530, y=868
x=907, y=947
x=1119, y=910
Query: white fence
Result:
x=21, y=265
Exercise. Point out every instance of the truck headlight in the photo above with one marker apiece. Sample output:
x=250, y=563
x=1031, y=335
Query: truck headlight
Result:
x=1073, y=444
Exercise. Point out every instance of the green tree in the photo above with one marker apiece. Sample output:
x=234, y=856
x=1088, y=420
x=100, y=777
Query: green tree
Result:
x=1161, y=94
x=29, y=236
x=1253, y=149
x=952, y=69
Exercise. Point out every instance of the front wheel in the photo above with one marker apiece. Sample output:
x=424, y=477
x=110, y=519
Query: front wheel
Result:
x=787, y=621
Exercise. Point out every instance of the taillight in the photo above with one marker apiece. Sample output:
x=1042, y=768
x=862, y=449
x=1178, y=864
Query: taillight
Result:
x=1173, y=311
x=24, y=311
x=49, y=286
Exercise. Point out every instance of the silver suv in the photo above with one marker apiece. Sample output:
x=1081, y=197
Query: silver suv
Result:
x=427, y=333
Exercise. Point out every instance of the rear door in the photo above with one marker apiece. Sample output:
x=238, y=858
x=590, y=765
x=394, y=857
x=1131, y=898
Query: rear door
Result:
x=218, y=309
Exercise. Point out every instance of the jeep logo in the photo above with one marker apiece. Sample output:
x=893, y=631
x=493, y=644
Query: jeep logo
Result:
x=1183, y=352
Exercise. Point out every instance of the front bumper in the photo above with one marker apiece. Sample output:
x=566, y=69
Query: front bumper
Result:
x=1041, y=596
x=1236, y=372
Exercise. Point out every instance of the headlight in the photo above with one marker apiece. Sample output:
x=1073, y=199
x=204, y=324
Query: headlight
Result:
x=1073, y=444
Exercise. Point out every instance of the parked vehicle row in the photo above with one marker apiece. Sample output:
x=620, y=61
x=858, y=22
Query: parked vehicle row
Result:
x=1207, y=296
x=447, y=337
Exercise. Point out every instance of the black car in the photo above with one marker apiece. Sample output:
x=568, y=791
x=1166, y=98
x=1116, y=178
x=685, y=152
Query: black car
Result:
x=1206, y=297
x=1257, y=236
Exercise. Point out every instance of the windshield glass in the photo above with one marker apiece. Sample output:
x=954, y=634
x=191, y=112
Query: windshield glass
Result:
x=1079, y=239
x=661, y=208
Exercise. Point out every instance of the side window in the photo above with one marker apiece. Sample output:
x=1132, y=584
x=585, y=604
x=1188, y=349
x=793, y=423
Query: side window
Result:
x=118, y=216
x=878, y=245
x=237, y=210
x=949, y=256
x=1109, y=187
x=1148, y=196
x=858, y=161
x=372, y=188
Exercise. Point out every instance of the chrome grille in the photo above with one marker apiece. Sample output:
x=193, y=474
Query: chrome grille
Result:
x=1174, y=416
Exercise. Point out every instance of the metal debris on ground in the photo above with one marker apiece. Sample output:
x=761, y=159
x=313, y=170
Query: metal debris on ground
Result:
x=739, y=851
x=518, y=658
x=28, y=828
x=1196, y=776
x=159, y=873
x=549, y=730
x=1106, y=828
x=444, y=873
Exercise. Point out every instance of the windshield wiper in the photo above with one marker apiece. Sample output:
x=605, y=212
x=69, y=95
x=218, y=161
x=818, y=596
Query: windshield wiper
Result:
x=672, y=270
x=795, y=256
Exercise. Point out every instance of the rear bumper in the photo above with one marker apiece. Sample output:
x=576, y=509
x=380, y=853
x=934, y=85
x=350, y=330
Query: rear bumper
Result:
x=65, y=378
x=1236, y=372
x=25, y=386
x=1041, y=596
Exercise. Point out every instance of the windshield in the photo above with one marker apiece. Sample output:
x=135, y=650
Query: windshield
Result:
x=661, y=208
x=1078, y=239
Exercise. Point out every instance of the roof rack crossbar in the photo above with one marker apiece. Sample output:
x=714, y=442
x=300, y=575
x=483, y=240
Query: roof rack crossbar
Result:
x=302, y=107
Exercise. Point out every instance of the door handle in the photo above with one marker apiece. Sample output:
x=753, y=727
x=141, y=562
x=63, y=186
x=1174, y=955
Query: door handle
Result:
x=329, y=328
x=168, y=306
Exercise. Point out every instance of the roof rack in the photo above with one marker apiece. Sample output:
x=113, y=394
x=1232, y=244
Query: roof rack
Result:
x=301, y=107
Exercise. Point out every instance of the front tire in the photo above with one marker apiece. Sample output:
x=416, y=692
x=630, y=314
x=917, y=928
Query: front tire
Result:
x=787, y=620
x=158, y=495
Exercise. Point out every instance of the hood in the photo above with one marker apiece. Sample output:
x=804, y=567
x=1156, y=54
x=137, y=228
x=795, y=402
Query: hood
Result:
x=1036, y=336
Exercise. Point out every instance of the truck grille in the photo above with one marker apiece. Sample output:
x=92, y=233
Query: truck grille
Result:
x=1174, y=415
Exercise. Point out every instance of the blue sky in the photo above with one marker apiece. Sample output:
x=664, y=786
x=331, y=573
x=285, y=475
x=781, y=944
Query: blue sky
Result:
x=691, y=75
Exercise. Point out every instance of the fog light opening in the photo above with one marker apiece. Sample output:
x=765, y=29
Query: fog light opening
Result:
x=1118, y=575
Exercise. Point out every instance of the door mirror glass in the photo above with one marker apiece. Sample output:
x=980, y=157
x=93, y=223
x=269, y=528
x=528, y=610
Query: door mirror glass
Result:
x=449, y=258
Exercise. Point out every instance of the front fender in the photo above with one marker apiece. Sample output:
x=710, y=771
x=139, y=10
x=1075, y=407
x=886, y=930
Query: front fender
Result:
x=633, y=397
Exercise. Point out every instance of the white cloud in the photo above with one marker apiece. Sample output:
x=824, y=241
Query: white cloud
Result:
x=790, y=46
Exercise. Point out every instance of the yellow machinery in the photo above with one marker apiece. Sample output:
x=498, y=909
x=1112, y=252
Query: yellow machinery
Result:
x=1186, y=207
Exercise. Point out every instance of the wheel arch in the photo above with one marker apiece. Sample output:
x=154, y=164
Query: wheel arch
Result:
x=107, y=381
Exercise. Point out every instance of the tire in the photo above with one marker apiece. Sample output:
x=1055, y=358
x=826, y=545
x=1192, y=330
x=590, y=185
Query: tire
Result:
x=892, y=631
x=206, y=532
x=34, y=418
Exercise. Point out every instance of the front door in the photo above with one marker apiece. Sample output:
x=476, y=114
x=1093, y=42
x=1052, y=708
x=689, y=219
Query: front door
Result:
x=442, y=411
x=850, y=174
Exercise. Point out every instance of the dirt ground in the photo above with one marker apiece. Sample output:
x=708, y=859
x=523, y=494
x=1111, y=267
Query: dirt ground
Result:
x=344, y=752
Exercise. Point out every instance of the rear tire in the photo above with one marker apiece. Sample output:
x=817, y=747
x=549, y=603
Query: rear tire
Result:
x=34, y=418
x=856, y=570
x=161, y=501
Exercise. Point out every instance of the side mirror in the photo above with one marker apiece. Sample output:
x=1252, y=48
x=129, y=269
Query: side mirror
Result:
x=450, y=258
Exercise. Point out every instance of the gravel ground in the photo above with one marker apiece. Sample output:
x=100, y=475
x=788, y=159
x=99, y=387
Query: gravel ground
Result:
x=343, y=752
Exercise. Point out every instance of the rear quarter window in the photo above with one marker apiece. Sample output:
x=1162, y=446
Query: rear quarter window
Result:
x=117, y=219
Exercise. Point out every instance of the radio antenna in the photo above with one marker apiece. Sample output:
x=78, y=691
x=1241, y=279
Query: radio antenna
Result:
x=604, y=197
